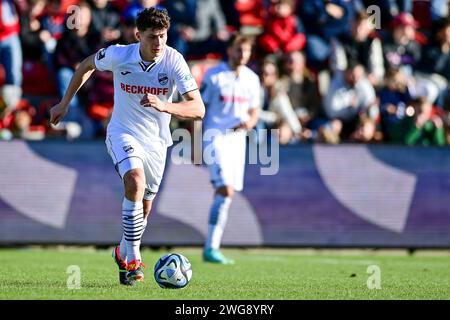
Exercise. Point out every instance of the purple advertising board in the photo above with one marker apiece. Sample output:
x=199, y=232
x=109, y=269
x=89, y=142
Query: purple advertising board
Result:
x=322, y=196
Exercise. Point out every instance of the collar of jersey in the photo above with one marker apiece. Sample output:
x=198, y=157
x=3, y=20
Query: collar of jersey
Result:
x=227, y=68
x=142, y=63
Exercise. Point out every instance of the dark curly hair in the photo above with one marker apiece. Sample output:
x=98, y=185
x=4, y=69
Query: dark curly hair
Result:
x=153, y=18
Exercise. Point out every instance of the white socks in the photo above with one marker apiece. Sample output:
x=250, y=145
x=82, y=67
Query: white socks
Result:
x=218, y=217
x=123, y=244
x=133, y=228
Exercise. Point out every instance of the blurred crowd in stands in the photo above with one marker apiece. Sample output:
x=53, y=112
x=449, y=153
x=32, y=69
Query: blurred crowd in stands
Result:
x=331, y=70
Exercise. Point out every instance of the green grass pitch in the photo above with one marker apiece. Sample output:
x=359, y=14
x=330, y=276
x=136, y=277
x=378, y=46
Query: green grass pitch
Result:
x=258, y=274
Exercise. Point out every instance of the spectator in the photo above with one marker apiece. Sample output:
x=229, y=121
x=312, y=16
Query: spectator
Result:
x=394, y=98
x=5, y=121
x=252, y=15
x=284, y=31
x=29, y=31
x=301, y=87
x=362, y=45
x=423, y=126
x=401, y=50
x=323, y=21
x=18, y=123
x=182, y=17
x=350, y=96
x=231, y=15
x=366, y=130
x=277, y=111
x=128, y=32
x=75, y=45
x=105, y=20
x=438, y=52
x=51, y=23
x=137, y=5
x=209, y=35
x=10, y=56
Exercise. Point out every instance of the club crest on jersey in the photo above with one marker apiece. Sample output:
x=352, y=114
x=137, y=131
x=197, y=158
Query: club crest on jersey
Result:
x=101, y=54
x=128, y=149
x=163, y=78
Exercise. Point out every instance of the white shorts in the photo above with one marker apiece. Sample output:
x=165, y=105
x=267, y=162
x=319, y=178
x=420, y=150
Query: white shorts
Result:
x=228, y=166
x=128, y=153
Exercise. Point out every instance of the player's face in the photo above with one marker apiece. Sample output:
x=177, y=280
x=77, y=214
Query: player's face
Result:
x=153, y=42
x=240, y=54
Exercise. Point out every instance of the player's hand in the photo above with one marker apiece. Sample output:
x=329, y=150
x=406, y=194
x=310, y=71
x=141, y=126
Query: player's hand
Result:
x=150, y=100
x=57, y=112
x=247, y=126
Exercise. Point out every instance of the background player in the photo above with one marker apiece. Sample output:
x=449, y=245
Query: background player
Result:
x=231, y=92
x=145, y=77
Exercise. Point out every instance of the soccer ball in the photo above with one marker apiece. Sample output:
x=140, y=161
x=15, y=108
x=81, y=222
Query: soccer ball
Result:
x=173, y=271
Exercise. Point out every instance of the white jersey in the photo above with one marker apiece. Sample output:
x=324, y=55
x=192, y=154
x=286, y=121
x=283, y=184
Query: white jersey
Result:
x=132, y=79
x=228, y=97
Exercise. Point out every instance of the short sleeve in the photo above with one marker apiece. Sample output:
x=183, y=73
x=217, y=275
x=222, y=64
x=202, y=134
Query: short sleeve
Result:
x=183, y=78
x=105, y=58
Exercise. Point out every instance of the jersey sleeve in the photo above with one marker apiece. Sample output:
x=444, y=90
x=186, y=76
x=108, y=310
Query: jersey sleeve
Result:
x=105, y=59
x=183, y=78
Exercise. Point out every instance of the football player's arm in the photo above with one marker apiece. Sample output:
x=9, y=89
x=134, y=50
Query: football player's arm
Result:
x=252, y=121
x=254, y=115
x=255, y=103
x=81, y=75
x=191, y=108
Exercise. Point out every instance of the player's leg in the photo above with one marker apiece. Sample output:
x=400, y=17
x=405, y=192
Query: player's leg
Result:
x=147, y=209
x=155, y=162
x=133, y=221
x=127, y=155
x=153, y=169
x=121, y=250
x=218, y=217
x=227, y=176
x=147, y=204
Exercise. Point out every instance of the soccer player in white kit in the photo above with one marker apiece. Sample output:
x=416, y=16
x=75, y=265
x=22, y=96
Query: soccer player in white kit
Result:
x=146, y=75
x=231, y=93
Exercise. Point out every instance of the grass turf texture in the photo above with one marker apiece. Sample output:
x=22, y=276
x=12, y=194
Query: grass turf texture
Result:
x=258, y=274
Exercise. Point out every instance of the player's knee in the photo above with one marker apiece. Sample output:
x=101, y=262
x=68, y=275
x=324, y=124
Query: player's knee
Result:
x=225, y=191
x=134, y=182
